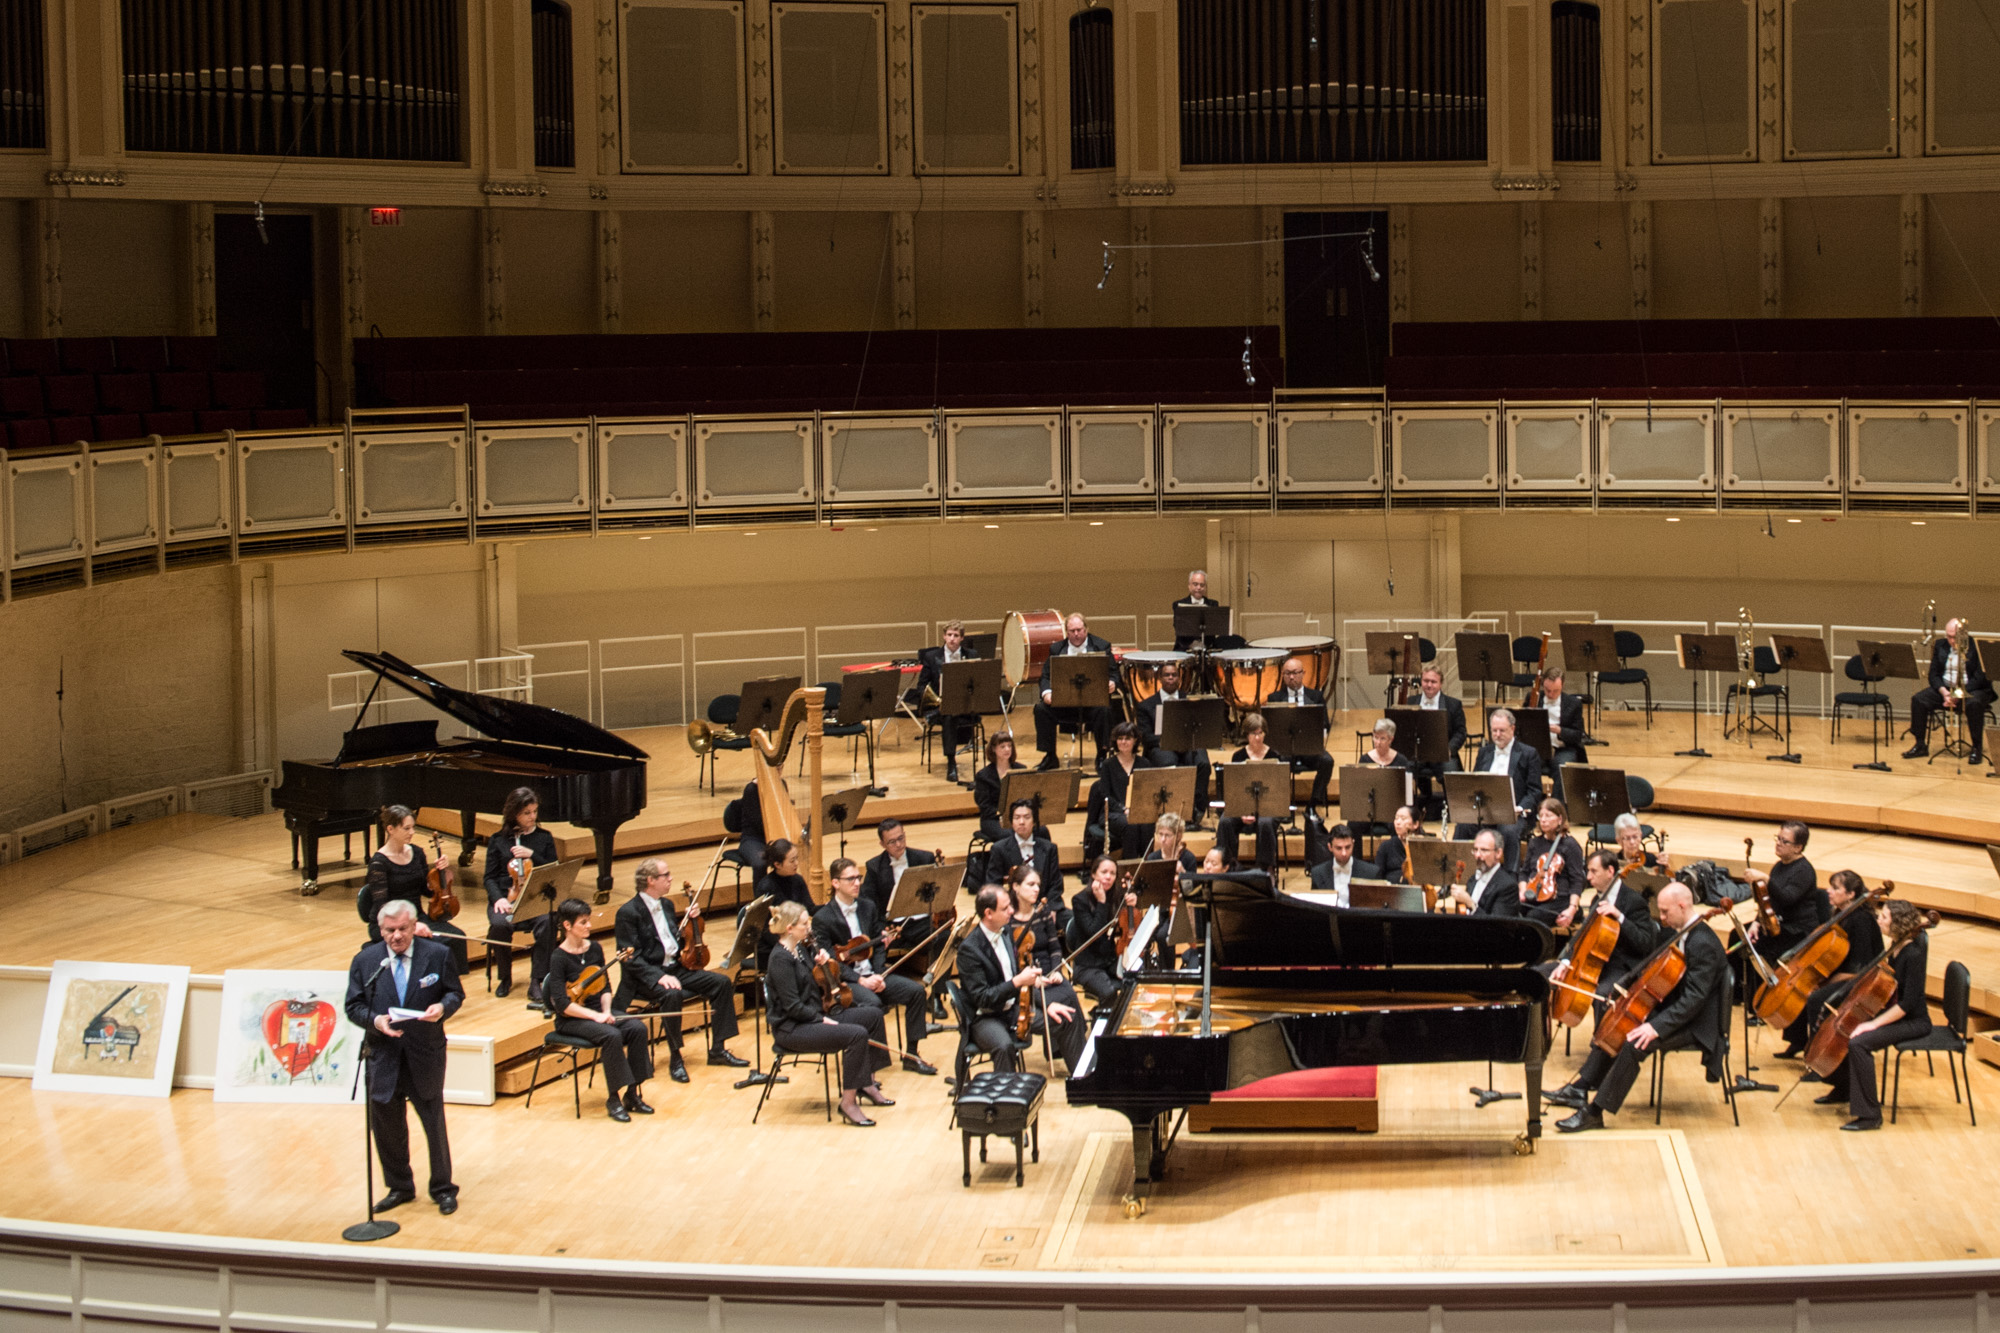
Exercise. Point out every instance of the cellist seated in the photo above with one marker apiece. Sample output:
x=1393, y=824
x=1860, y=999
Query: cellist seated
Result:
x=1695, y=1012
x=658, y=975
x=1638, y=936
x=1864, y=946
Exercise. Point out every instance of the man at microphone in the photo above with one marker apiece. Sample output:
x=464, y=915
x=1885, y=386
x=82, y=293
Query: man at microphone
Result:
x=400, y=990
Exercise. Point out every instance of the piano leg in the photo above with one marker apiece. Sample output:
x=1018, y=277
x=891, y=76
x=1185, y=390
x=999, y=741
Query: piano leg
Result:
x=602, y=837
x=1536, y=1054
x=1149, y=1160
x=467, y=837
x=308, y=836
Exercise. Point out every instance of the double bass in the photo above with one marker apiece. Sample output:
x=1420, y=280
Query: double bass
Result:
x=1649, y=986
x=1809, y=963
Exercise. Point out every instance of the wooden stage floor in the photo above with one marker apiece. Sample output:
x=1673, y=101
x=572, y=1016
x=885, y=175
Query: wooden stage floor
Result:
x=1435, y=1189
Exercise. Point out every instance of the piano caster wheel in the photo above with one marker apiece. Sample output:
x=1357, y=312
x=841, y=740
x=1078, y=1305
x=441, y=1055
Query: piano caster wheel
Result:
x=1135, y=1207
x=309, y=889
x=1523, y=1146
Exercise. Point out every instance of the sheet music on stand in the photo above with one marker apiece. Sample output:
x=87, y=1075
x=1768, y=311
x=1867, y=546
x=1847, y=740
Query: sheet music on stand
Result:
x=1438, y=862
x=1052, y=793
x=971, y=688
x=925, y=891
x=1295, y=729
x=1256, y=789
x=1193, y=724
x=1155, y=791
x=1079, y=681
x=547, y=885
x=1370, y=794
x=1488, y=798
x=1204, y=624
x=1392, y=653
x=1422, y=734
x=1595, y=795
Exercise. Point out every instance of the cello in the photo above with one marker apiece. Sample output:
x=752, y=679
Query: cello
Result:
x=444, y=903
x=1650, y=985
x=1808, y=964
x=1868, y=995
x=1581, y=965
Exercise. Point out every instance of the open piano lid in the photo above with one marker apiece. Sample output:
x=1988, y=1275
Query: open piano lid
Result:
x=502, y=719
x=1256, y=926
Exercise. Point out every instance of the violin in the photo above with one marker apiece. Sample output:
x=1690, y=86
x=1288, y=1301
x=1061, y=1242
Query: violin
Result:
x=861, y=948
x=444, y=903
x=834, y=992
x=593, y=979
x=1868, y=996
x=694, y=949
x=1768, y=919
x=1809, y=963
x=1582, y=964
x=517, y=877
x=1024, y=958
x=1650, y=985
x=1126, y=924
x=1543, y=886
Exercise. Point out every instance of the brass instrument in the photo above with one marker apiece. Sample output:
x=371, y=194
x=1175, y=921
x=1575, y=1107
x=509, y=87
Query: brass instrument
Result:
x=1929, y=621
x=1746, y=634
x=1961, y=643
x=702, y=737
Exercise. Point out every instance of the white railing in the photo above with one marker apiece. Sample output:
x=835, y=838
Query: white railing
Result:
x=563, y=676
x=642, y=681
x=720, y=668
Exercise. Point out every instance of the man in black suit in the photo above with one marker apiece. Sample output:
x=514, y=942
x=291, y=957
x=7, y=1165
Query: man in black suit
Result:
x=1431, y=698
x=992, y=981
x=1565, y=727
x=1292, y=690
x=657, y=974
x=848, y=915
x=406, y=1054
x=1150, y=716
x=1076, y=641
x=885, y=871
x=1952, y=670
x=1335, y=872
x=930, y=676
x=1197, y=595
x=1022, y=848
x=1503, y=754
x=1696, y=1011
x=1492, y=889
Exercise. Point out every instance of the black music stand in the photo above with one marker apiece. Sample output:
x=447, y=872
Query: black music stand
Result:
x=1379, y=895
x=1194, y=724
x=1201, y=623
x=1488, y=796
x=763, y=702
x=1600, y=793
x=1804, y=652
x=1295, y=729
x=1155, y=791
x=1886, y=661
x=1590, y=647
x=749, y=929
x=1080, y=682
x=925, y=891
x=1438, y=863
x=867, y=699
x=1370, y=794
x=972, y=688
x=841, y=810
x=1393, y=655
x=1421, y=734
x=1484, y=657
x=1152, y=881
x=1051, y=793
x=1531, y=727
x=1699, y=653
x=1257, y=789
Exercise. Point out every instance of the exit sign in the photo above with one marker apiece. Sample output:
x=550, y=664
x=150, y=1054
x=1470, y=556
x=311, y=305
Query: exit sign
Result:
x=385, y=217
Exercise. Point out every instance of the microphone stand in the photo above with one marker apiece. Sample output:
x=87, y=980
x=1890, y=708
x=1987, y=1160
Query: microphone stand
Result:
x=374, y=1228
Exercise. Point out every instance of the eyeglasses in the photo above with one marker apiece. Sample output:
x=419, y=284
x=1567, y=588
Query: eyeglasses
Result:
x=844, y=878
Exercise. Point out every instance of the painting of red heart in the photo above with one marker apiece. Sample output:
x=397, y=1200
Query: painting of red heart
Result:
x=283, y=1038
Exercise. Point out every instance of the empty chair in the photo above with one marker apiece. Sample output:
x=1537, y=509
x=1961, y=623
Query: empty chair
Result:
x=1951, y=1037
x=1628, y=646
x=1880, y=707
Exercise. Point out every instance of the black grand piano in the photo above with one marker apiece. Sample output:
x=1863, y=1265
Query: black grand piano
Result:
x=1288, y=984
x=583, y=774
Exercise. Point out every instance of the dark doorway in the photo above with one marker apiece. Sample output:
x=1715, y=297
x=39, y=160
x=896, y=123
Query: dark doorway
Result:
x=1336, y=299
x=264, y=303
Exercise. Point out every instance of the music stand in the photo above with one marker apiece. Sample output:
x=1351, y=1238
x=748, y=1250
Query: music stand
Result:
x=547, y=885
x=925, y=891
x=972, y=689
x=1590, y=647
x=1699, y=653
x=1421, y=734
x=841, y=811
x=1152, y=881
x=868, y=699
x=1201, y=623
x=1484, y=657
x=1194, y=724
x=1489, y=796
x=1295, y=729
x=1369, y=795
x=1531, y=725
x=762, y=703
x=1079, y=682
x=1438, y=863
x=1600, y=792
x=1379, y=895
x=1162, y=790
x=1257, y=789
x=1393, y=655
x=1051, y=793
x=1886, y=661
x=1806, y=652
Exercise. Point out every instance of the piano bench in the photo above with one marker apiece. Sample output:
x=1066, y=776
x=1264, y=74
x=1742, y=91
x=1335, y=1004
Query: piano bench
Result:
x=1004, y=1104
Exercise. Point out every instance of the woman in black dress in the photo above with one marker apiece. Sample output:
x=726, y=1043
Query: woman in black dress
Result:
x=1552, y=839
x=1228, y=831
x=801, y=1021
x=781, y=882
x=1114, y=793
x=519, y=837
x=1392, y=854
x=397, y=870
x=1093, y=906
x=623, y=1047
x=1046, y=919
x=1906, y=1017
x=986, y=784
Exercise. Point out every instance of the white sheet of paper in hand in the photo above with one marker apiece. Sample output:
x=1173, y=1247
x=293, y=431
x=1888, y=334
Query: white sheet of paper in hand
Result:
x=398, y=1014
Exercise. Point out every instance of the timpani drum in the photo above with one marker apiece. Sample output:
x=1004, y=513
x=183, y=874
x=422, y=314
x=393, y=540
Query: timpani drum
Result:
x=1319, y=657
x=1247, y=676
x=1025, y=640
x=1142, y=673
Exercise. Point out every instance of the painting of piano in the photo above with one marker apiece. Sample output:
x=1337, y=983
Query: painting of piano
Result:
x=111, y=1027
x=282, y=1037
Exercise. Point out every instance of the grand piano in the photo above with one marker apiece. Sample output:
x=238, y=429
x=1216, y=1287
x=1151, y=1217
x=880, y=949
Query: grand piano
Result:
x=1288, y=984
x=583, y=774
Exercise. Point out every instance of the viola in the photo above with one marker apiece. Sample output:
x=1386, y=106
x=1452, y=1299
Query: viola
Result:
x=1868, y=996
x=593, y=979
x=1649, y=986
x=1768, y=919
x=834, y=992
x=1126, y=924
x=1580, y=968
x=1024, y=958
x=1809, y=963
x=694, y=949
x=444, y=903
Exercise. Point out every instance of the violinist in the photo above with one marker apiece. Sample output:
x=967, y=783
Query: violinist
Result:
x=1564, y=865
x=1906, y=1017
x=1335, y=873
x=519, y=837
x=987, y=782
x=1695, y=1012
x=1432, y=699
x=992, y=977
x=1023, y=847
x=657, y=973
x=802, y=1020
x=1793, y=886
x=1492, y=890
x=1229, y=831
x=849, y=916
x=1043, y=920
x=1151, y=717
x=1631, y=845
x=622, y=1045
x=1638, y=936
x=398, y=872
x=1864, y=945
x=1090, y=911
x=781, y=883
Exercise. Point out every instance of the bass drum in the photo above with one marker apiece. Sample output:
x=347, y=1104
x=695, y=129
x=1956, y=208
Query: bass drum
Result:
x=1025, y=640
x=1142, y=673
x=1247, y=676
x=1320, y=657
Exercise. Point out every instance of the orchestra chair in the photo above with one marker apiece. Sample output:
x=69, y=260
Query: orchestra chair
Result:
x=560, y=1044
x=722, y=710
x=971, y=738
x=1638, y=795
x=1527, y=650
x=1658, y=1056
x=1629, y=645
x=830, y=729
x=1951, y=1037
x=969, y=1053
x=1763, y=665
x=780, y=1053
x=1877, y=705
x=732, y=823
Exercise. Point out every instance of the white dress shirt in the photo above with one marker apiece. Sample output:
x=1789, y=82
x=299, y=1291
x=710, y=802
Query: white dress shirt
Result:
x=666, y=933
x=851, y=912
x=1501, y=761
x=1001, y=950
x=1430, y=703
x=1477, y=888
x=897, y=867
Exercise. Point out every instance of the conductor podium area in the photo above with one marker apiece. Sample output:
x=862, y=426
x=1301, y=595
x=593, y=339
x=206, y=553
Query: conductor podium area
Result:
x=185, y=1212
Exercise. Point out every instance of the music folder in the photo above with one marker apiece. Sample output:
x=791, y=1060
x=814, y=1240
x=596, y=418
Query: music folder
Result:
x=547, y=885
x=1052, y=793
x=1295, y=729
x=1487, y=797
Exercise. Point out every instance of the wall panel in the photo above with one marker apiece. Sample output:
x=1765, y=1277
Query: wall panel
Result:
x=1070, y=298
x=685, y=272
x=1586, y=265
x=423, y=277
x=1841, y=257
x=834, y=271
x=14, y=249
x=551, y=259
x=121, y=268
x=968, y=270
x=1213, y=286
x=1705, y=259
x=1464, y=261
x=1961, y=254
